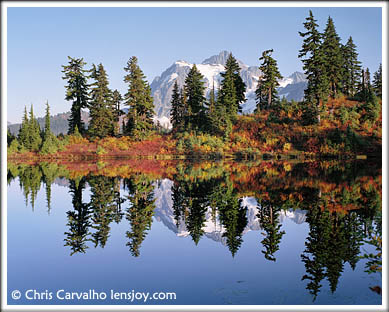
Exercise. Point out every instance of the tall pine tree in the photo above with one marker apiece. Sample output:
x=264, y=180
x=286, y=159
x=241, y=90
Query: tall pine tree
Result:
x=313, y=64
x=139, y=101
x=232, y=88
x=333, y=62
x=177, y=112
x=24, y=129
x=47, y=132
x=50, y=143
x=351, y=68
x=76, y=91
x=116, y=111
x=34, y=139
x=100, y=112
x=194, y=91
x=377, y=82
x=266, y=92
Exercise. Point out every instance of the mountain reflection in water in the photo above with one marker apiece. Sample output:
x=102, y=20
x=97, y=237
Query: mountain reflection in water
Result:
x=222, y=201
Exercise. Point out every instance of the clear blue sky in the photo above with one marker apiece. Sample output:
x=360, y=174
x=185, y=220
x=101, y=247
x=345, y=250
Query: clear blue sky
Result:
x=40, y=39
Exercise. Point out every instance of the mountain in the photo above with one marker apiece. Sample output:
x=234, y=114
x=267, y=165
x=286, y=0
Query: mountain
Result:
x=58, y=123
x=292, y=87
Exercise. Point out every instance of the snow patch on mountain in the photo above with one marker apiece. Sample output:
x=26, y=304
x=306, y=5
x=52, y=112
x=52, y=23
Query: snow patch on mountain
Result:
x=162, y=121
x=211, y=74
x=284, y=82
x=173, y=77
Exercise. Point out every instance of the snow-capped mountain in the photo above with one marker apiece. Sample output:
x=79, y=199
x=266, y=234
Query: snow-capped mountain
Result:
x=291, y=87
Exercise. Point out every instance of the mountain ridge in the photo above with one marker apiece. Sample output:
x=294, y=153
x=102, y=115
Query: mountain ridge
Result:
x=211, y=68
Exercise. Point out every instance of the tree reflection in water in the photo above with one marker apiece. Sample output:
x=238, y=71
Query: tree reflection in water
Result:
x=342, y=201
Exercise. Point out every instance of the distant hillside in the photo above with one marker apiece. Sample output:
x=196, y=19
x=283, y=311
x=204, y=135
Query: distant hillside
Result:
x=59, y=123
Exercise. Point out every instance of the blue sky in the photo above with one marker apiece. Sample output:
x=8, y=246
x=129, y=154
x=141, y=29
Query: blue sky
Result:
x=40, y=39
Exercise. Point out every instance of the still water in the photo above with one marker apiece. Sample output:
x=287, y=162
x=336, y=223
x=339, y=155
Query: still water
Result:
x=242, y=233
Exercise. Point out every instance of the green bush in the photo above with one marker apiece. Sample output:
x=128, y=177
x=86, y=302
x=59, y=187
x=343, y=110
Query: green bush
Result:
x=200, y=144
x=100, y=150
x=14, y=147
x=50, y=145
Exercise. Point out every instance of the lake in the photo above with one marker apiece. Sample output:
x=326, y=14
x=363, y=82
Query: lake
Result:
x=211, y=232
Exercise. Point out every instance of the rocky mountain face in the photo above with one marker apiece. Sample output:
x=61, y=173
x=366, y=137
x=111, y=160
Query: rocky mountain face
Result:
x=292, y=87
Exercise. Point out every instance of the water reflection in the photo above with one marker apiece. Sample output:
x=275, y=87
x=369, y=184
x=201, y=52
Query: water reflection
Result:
x=341, y=203
x=140, y=211
x=78, y=219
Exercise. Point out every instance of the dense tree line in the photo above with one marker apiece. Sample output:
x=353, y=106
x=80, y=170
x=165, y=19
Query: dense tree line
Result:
x=32, y=138
x=104, y=103
x=333, y=69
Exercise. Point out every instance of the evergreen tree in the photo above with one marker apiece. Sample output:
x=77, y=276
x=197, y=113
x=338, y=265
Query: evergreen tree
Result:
x=366, y=78
x=351, y=68
x=30, y=179
x=184, y=109
x=319, y=233
x=50, y=171
x=219, y=119
x=232, y=215
x=76, y=91
x=268, y=219
x=370, y=104
x=100, y=112
x=232, y=88
x=177, y=111
x=10, y=137
x=24, y=131
x=333, y=240
x=78, y=219
x=266, y=92
x=50, y=143
x=313, y=65
x=139, y=101
x=179, y=203
x=116, y=111
x=196, y=196
x=377, y=82
x=140, y=212
x=102, y=207
x=34, y=139
x=47, y=132
x=194, y=92
x=333, y=62
x=212, y=100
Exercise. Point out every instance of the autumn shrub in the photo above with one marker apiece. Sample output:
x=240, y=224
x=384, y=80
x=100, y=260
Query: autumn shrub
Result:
x=100, y=150
x=200, y=144
x=77, y=139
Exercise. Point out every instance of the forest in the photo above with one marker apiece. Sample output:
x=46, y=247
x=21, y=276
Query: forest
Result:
x=340, y=115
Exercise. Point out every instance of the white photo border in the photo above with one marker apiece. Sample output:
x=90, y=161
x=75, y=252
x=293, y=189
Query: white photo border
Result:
x=11, y=4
